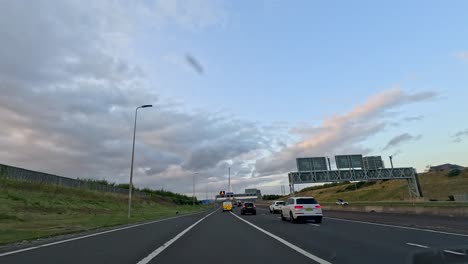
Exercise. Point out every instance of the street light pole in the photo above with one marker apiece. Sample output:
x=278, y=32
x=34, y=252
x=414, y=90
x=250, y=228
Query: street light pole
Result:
x=130, y=187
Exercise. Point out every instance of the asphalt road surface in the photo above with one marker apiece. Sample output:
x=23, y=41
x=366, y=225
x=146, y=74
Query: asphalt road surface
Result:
x=217, y=237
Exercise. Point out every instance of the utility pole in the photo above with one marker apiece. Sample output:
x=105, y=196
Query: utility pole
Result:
x=391, y=161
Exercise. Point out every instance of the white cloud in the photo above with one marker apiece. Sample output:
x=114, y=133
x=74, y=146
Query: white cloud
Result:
x=463, y=55
x=341, y=133
x=69, y=85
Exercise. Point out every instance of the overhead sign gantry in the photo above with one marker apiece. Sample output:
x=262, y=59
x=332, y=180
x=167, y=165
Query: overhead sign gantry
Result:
x=350, y=168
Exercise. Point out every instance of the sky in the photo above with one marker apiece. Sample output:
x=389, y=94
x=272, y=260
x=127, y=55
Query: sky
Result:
x=250, y=85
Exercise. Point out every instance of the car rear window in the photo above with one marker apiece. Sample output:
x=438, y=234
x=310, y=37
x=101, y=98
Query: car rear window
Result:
x=306, y=201
x=279, y=203
x=248, y=204
x=227, y=203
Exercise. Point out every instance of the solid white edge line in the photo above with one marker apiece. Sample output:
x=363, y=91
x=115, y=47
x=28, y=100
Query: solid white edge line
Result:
x=292, y=246
x=455, y=253
x=90, y=235
x=417, y=245
x=402, y=227
x=160, y=249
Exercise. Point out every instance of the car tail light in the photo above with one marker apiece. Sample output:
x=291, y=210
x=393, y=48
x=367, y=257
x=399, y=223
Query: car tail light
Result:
x=298, y=207
x=318, y=206
x=255, y=206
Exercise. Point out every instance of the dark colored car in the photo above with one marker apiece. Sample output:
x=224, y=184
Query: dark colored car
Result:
x=249, y=208
x=239, y=204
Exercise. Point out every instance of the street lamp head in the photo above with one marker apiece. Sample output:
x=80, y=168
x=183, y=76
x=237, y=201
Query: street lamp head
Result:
x=145, y=106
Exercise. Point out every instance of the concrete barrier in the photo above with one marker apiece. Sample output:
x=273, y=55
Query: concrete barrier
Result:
x=419, y=210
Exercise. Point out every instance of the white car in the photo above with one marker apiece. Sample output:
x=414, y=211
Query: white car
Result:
x=276, y=206
x=302, y=208
x=341, y=202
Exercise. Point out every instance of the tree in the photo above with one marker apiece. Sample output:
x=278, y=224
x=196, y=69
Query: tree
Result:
x=454, y=172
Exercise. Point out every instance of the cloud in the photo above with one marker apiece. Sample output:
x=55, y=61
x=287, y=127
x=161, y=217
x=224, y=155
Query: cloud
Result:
x=192, y=15
x=413, y=118
x=70, y=82
x=69, y=87
x=463, y=55
x=458, y=137
x=341, y=133
x=398, y=140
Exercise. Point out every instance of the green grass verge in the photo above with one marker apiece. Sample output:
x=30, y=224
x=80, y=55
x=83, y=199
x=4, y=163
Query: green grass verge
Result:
x=30, y=210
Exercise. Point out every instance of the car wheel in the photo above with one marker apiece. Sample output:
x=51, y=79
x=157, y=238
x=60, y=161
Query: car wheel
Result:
x=282, y=217
x=318, y=220
x=291, y=218
x=271, y=211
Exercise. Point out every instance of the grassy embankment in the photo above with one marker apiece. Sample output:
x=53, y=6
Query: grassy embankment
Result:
x=435, y=186
x=31, y=210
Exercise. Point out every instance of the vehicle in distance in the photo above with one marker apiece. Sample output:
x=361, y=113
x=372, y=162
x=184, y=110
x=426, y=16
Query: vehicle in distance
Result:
x=249, y=208
x=276, y=206
x=301, y=209
x=341, y=202
x=239, y=203
x=227, y=206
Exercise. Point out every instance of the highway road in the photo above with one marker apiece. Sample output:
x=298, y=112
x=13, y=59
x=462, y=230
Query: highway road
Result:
x=217, y=237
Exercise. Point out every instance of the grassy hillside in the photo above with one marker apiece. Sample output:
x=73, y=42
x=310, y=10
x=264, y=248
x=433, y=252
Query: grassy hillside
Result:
x=437, y=186
x=31, y=210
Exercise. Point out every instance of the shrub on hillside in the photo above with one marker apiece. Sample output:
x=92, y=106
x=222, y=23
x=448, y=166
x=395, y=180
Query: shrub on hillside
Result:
x=357, y=185
x=454, y=172
x=97, y=182
x=124, y=185
x=175, y=197
x=326, y=185
x=271, y=197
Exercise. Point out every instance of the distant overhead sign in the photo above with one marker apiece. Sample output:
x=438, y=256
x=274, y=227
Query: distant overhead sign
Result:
x=311, y=164
x=349, y=161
